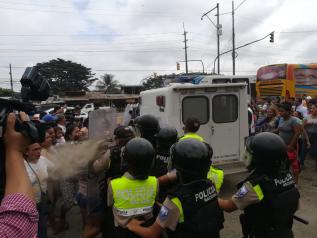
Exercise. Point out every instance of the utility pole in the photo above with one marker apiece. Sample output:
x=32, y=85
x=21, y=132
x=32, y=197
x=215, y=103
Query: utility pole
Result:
x=11, y=81
x=185, y=41
x=219, y=31
x=233, y=43
x=218, y=38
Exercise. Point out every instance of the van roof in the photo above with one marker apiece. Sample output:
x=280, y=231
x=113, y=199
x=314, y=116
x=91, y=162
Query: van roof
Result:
x=184, y=86
x=218, y=85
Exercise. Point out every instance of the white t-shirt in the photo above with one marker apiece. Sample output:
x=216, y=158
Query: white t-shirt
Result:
x=303, y=110
x=41, y=170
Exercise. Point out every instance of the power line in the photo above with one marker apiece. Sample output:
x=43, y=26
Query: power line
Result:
x=127, y=44
x=297, y=32
x=240, y=5
x=89, y=51
x=87, y=34
x=86, y=9
x=110, y=12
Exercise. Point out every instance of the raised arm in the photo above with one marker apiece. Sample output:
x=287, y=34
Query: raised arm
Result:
x=17, y=179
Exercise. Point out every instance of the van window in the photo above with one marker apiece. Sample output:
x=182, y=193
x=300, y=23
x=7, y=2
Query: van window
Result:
x=196, y=107
x=224, y=108
x=221, y=80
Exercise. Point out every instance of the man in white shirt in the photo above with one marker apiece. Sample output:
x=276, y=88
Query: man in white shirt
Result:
x=300, y=107
x=37, y=169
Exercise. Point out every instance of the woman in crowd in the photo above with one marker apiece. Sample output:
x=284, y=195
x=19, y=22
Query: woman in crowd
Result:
x=303, y=139
x=60, y=140
x=68, y=187
x=310, y=124
x=269, y=123
x=289, y=129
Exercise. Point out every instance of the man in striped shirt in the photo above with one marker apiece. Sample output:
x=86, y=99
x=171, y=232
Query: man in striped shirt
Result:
x=18, y=214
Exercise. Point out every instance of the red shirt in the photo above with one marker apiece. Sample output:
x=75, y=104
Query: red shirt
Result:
x=18, y=217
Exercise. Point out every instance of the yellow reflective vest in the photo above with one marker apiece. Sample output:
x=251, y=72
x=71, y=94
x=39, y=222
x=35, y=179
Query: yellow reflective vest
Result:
x=192, y=136
x=216, y=176
x=134, y=197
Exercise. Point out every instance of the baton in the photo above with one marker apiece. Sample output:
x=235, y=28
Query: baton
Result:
x=297, y=218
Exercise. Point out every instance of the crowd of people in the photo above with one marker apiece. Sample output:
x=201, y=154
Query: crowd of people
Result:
x=152, y=182
x=295, y=121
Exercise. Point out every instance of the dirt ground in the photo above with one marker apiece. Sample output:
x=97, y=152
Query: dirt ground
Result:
x=307, y=210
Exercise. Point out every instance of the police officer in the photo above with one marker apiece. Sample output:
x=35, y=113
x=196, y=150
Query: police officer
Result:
x=191, y=209
x=147, y=126
x=214, y=174
x=133, y=194
x=109, y=165
x=123, y=134
x=110, y=162
x=166, y=137
x=191, y=127
x=268, y=196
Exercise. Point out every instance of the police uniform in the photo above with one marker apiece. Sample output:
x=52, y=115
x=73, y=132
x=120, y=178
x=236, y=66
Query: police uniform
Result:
x=214, y=174
x=191, y=135
x=160, y=164
x=131, y=198
x=197, y=215
x=269, y=204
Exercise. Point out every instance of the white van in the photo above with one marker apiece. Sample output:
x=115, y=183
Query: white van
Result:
x=250, y=80
x=221, y=109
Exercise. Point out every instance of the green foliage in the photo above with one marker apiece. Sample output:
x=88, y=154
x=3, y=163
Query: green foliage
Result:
x=153, y=81
x=108, y=84
x=4, y=92
x=66, y=76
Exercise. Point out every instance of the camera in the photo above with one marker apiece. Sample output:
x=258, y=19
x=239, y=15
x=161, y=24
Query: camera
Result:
x=34, y=87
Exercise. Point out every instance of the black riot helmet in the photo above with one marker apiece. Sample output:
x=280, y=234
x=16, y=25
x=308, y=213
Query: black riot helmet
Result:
x=138, y=155
x=191, y=158
x=165, y=138
x=268, y=152
x=148, y=126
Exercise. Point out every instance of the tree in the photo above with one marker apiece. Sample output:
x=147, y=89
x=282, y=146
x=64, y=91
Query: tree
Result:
x=66, y=76
x=4, y=92
x=156, y=81
x=108, y=84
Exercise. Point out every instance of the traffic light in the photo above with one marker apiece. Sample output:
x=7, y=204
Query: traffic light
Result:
x=272, y=37
x=178, y=66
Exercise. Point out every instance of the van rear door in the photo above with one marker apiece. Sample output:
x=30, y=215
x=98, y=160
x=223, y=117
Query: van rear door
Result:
x=225, y=125
x=218, y=113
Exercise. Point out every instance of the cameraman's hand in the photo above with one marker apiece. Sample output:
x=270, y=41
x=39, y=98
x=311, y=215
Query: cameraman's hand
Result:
x=15, y=141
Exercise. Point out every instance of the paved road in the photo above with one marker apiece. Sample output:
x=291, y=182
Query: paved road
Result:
x=307, y=210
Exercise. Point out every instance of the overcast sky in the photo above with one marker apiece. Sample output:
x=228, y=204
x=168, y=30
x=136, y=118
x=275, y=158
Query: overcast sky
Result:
x=132, y=39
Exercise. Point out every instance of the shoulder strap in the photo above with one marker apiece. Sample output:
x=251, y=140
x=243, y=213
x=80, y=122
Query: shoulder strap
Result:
x=37, y=178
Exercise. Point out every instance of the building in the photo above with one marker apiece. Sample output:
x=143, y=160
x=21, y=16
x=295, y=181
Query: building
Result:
x=131, y=89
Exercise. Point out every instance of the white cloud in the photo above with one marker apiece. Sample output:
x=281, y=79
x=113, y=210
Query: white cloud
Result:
x=146, y=36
